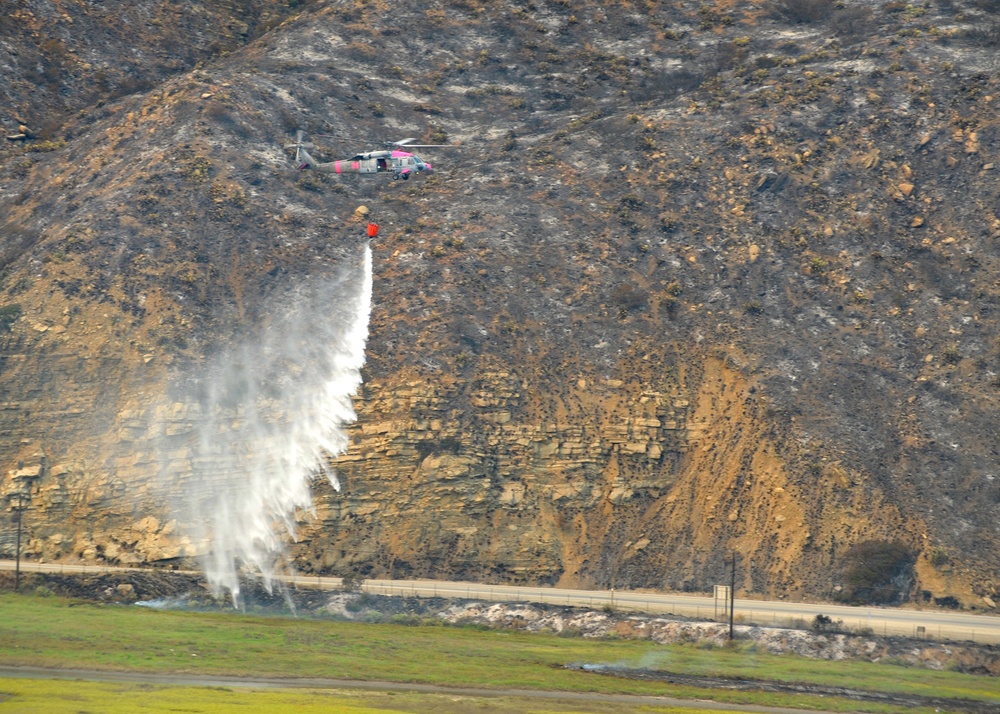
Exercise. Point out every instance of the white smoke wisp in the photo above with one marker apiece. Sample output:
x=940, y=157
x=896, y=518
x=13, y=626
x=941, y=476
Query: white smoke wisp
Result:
x=273, y=410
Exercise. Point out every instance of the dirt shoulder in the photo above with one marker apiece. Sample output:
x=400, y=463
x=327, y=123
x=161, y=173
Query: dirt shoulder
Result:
x=768, y=685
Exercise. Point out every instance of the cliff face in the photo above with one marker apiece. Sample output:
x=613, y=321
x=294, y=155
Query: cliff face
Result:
x=696, y=280
x=607, y=483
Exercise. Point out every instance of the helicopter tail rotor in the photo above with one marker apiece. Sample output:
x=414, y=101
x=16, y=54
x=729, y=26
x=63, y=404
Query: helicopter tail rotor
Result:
x=299, y=145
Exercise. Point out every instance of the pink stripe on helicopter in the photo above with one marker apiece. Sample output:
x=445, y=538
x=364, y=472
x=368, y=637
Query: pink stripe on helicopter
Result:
x=336, y=166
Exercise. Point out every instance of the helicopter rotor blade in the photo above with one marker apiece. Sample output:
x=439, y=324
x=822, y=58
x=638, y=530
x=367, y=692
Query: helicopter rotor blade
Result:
x=299, y=145
x=405, y=144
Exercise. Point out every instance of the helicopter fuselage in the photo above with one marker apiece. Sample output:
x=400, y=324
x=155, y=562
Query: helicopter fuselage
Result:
x=401, y=163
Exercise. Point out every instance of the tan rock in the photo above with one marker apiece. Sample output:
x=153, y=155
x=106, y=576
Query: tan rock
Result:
x=972, y=143
x=547, y=449
x=634, y=447
x=620, y=494
x=513, y=494
x=27, y=472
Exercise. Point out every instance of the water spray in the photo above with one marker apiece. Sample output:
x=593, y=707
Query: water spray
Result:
x=273, y=411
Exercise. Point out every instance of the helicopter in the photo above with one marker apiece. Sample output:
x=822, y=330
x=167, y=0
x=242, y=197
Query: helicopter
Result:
x=392, y=158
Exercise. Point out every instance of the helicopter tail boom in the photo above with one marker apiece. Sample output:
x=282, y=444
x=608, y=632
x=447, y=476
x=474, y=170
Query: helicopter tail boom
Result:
x=303, y=160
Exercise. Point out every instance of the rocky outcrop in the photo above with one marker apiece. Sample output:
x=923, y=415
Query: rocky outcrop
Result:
x=503, y=478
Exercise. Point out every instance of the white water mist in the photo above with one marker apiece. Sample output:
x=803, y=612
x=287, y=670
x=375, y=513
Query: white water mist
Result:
x=273, y=410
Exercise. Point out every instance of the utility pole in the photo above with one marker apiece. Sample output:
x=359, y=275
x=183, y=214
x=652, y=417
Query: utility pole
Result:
x=732, y=595
x=17, y=561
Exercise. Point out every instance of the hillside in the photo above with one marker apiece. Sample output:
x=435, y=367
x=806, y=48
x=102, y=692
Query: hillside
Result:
x=697, y=278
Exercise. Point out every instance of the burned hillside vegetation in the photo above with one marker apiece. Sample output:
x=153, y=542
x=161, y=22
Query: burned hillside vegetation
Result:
x=693, y=279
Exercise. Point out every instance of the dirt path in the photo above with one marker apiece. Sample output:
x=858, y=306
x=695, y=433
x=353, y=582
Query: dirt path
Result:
x=761, y=685
x=192, y=680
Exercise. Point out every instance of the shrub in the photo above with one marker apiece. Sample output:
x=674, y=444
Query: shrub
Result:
x=853, y=23
x=877, y=572
x=818, y=266
x=939, y=557
x=407, y=618
x=822, y=623
x=9, y=314
x=985, y=35
x=351, y=583
x=948, y=601
x=630, y=297
x=803, y=11
x=951, y=355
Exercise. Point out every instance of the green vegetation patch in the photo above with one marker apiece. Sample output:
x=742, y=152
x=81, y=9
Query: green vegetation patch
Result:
x=54, y=632
x=9, y=314
x=72, y=697
x=58, y=696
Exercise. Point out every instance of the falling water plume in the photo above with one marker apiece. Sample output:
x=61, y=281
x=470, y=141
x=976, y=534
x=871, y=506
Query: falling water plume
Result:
x=272, y=411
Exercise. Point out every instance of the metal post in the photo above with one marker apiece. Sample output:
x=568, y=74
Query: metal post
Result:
x=732, y=596
x=17, y=562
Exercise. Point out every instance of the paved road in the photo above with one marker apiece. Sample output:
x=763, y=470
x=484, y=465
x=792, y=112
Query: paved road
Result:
x=931, y=624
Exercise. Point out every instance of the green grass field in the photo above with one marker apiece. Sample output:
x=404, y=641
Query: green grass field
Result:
x=74, y=697
x=54, y=632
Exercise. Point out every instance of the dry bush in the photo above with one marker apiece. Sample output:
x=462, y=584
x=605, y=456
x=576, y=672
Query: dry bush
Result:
x=986, y=35
x=9, y=314
x=803, y=11
x=630, y=297
x=877, y=572
x=728, y=55
x=852, y=23
x=15, y=242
